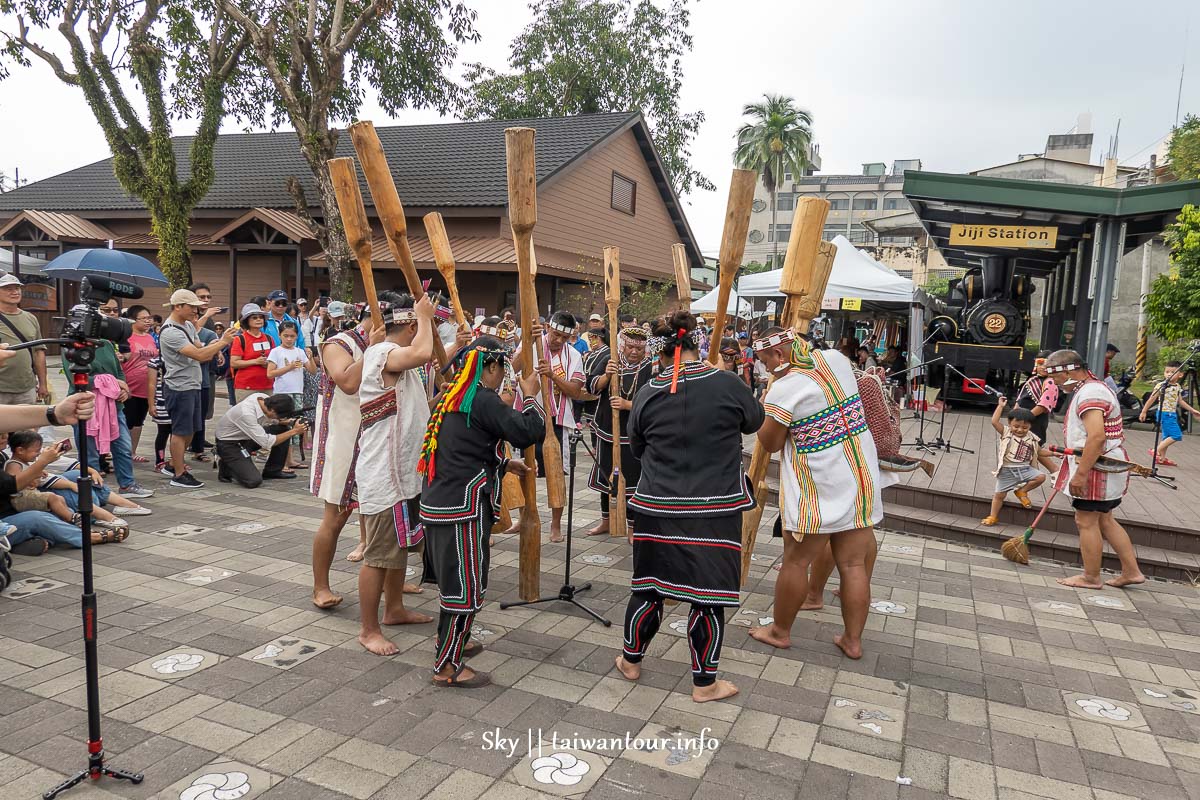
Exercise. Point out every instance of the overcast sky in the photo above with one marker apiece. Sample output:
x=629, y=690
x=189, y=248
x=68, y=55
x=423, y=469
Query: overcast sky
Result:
x=960, y=84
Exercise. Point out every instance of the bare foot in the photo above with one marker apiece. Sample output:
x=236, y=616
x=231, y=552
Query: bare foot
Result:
x=356, y=554
x=599, y=528
x=1121, y=581
x=853, y=651
x=836, y=593
x=1081, y=582
x=377, y=644
x=491, y=541
x=810, y=604
x=325, y=599
x=405, y=617
x=511, y=529
x=717, y=691
x=556, y=535
x=631, y=671
x=769, y=634
x=412, y=588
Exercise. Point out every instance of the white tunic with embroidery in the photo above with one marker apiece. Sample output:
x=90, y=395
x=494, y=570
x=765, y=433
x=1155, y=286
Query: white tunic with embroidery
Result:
x=393, y=426
x=830, y=480
x=1095, y=394
x=335, y=432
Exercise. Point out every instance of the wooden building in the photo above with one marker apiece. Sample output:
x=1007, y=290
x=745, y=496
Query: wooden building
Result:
x=600, y=183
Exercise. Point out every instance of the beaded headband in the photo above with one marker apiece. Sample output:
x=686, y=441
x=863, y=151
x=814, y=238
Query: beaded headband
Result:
x=561, y=328
x=1062, y=368
x=775, y=339
x=492, y=330
x=634, y=333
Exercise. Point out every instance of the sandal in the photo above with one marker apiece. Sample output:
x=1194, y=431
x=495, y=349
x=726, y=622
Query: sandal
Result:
x=201, y=457
x=1024, y=498
x=479, y=680
x=141, y=460
x=989, y=521
x=472, y=649
x=76, y=518
x=103, y=536
x=111, y=524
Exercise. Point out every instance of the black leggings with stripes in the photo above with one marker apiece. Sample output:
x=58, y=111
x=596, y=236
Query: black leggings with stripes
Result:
x=705, y=632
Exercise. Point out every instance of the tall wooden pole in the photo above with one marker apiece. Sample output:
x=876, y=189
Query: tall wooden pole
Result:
x=358, y=229
x=806, y=269
x=443, y=256
x=522, y=213
x=733, y=245
x=617, y=525
x=683, y=276
x=391, y=214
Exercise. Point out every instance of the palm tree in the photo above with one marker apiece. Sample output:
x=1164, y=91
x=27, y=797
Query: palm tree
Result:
x=775, y=141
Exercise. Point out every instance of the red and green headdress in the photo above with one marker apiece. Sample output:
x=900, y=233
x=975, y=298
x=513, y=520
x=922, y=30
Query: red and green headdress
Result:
x=459, y=396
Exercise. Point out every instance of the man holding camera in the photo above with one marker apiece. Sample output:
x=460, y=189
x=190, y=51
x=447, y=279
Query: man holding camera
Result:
x=241, y=433
x=182, y=355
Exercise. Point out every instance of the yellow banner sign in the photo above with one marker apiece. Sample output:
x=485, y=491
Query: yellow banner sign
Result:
x=851, y=304
x=1028, y=236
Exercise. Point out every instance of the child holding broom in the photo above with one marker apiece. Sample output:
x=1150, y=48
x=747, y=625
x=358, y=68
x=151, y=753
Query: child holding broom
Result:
x=1018, y=451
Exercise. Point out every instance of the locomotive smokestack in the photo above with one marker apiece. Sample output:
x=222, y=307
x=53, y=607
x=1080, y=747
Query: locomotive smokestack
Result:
x=997, y=275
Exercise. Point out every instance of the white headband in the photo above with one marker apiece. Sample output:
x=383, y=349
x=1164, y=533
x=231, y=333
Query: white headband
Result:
x=561, y=328
x=775, y=339
x=491, y=330
x=403, y=315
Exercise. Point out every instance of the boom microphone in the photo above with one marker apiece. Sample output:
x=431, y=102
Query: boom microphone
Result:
x=101, y=288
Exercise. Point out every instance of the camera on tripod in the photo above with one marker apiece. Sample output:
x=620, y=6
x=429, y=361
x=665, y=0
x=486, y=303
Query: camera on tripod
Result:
x=85, y=324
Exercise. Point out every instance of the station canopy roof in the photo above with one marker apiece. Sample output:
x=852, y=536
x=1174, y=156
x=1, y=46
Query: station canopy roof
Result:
x=941, y=200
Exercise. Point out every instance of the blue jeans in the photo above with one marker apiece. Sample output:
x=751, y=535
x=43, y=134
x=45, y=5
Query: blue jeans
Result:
x=122, y=454
x=99, y=493
x=45, y=525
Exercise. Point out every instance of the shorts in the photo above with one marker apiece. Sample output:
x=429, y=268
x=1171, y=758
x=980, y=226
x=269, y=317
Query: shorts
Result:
x=1169, y=422
x=136, y=409
x=558, y=434
x=31, y=500
x=184, y=409
x=383, y=550
x=242, y=394
x=1011, y=478
x=1102, y=506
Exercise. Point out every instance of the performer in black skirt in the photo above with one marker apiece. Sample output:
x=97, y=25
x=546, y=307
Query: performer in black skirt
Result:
x=686, y=427
x=462, y=461
x=634, y=368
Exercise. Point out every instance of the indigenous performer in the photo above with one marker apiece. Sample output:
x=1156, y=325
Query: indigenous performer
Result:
x=829, y=482
x=686, y=427
x=462, y=461
x=1093, y=427
x=634, y=370
x=564, y=365
x=1039, y=395
x=335, y=440
x=395, y=412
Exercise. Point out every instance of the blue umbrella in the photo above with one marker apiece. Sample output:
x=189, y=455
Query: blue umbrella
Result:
x=75, y=265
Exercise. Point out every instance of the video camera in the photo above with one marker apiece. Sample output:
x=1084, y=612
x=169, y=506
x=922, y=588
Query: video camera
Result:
x=84, y=324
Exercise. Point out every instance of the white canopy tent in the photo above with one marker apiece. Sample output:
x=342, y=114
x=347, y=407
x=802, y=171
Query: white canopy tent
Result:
x=29, y=265
x=854, y=274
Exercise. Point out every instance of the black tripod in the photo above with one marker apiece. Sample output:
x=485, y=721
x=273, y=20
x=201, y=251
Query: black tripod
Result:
x=919, y=443
x=80, y=355
x=568, y=591
x=1189, y=371
x=941, y=443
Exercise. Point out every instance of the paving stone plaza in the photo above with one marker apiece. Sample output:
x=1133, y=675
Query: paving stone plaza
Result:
x=981, y=680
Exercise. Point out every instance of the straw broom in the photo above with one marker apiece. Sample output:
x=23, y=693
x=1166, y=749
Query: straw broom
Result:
x=1016, y=549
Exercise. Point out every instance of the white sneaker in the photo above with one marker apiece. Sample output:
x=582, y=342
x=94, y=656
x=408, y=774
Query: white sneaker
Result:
x=137, y=511
x=136, y=491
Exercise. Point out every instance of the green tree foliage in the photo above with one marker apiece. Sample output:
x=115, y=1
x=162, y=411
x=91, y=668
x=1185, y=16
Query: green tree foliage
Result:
x=774, y=141
x=1183, y=153
x=937, y=286
x=311, y=64
x=1173, y=305
x=588, y=56
x=176, y=55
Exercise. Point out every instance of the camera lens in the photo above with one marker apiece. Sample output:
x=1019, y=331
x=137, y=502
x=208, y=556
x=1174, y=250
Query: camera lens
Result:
x=116, y=329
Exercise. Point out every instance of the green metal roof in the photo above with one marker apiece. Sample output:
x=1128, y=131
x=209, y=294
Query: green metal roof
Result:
x=941, y=200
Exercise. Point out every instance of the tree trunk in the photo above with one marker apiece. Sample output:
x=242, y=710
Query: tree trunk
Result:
x=774, y=230
x=170, y=221
x=337, y=250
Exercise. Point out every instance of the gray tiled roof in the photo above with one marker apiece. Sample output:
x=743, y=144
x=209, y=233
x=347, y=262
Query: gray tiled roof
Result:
x=455, y=164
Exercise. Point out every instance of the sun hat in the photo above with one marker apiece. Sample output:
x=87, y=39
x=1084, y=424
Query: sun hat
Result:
x=184, y=297
x=249, y=310
x=337, y=309
x=8, y=279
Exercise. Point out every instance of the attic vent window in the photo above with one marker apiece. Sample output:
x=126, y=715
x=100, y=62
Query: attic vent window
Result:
x=624, y=193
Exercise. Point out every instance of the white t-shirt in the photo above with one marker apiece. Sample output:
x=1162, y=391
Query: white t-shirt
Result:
x=293, y=382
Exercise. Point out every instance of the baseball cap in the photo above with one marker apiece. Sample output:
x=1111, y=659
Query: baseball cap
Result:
x=595, y=318
x=184, y=297
x=8, y=279
x=250, y=309
x=278, y=294
x=303, y=301
x=337, y=309
x=700, y=320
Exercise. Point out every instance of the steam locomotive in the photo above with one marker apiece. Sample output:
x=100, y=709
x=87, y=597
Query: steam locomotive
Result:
x=982, y=334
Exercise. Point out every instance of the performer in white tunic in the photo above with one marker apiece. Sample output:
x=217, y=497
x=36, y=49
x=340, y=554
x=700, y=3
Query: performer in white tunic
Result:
x=829, y=481
x=335, y=442
x=1093, y=427
x=395, y=412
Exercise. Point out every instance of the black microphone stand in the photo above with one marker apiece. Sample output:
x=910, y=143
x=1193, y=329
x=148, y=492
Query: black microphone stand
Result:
x=80, y=355
x=941, y=442
x=919, y=443
x=568, y=591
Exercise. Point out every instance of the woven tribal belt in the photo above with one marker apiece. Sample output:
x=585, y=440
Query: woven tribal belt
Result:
x=830, y=427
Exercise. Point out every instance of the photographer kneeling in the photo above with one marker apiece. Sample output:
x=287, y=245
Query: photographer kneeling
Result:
x=241, y=433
